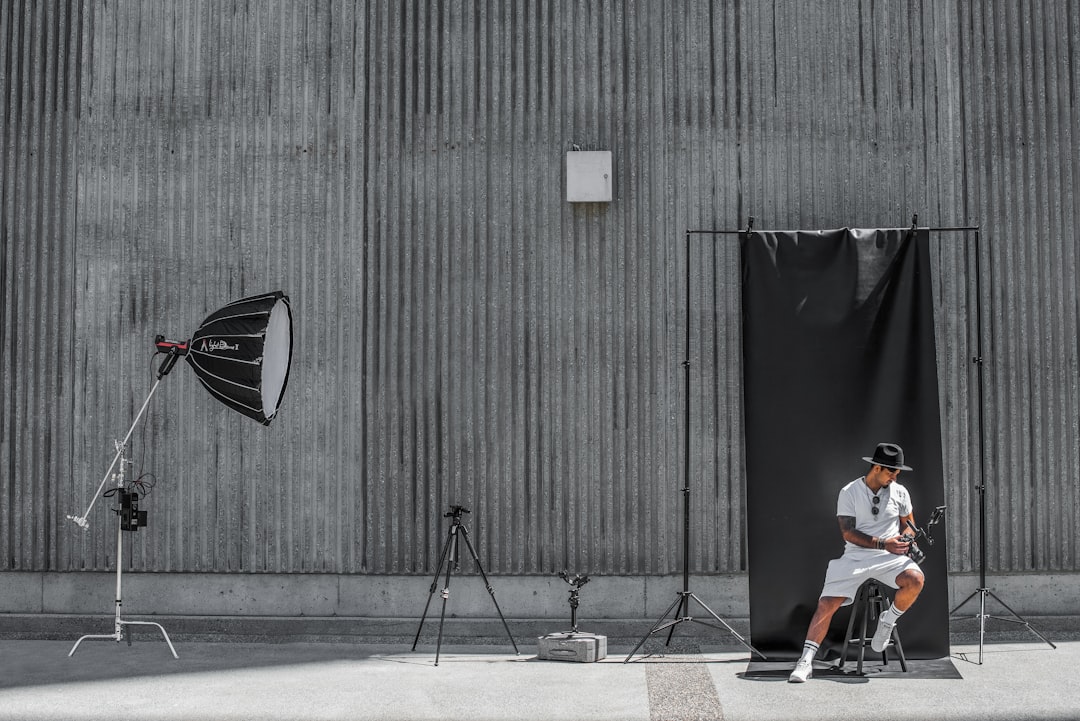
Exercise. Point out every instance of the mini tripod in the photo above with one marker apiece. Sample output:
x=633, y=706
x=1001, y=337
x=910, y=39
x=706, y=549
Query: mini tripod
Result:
x=450, y=557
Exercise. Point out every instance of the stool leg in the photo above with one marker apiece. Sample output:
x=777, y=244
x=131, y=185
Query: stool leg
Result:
x=881, y=606
x=895, y=636
x=899, y=649
x=847, y=634
x=862, y=635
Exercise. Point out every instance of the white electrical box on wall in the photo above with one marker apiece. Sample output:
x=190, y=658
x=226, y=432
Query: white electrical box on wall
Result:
x=588, y=176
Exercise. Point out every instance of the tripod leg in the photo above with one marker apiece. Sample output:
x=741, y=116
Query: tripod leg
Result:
x=658, y=625
x=434, y=584
x=446, y=589
x=982, y=621
x=1017, y=618
x=963, y=603
x=980, y=615
x=682, y=614
x=490, y=590
x=725, y=624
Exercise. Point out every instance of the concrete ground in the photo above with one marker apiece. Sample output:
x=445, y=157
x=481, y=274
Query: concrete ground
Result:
x=1018, y=680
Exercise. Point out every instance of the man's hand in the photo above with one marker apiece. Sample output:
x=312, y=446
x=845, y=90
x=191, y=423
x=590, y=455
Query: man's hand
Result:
x=897, y=545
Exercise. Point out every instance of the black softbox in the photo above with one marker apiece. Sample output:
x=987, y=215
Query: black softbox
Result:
x=242, y=353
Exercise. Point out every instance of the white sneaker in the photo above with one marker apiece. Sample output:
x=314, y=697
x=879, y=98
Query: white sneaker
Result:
x=882, y=636
x=803, y=670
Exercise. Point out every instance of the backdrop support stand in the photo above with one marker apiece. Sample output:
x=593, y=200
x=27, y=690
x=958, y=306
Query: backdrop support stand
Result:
x=679, y=610
x=983, y=591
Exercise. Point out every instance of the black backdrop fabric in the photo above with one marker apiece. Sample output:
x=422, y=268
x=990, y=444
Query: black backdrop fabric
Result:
x=839, y=355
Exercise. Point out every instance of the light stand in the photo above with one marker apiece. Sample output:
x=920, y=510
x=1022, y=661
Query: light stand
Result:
x=681, y=605
x=241, y=354
x=119, y=624
x=983, y=591
x=450, y=557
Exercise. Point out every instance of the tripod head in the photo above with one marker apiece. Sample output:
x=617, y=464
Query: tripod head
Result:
x=577, y=581
x=455, y=513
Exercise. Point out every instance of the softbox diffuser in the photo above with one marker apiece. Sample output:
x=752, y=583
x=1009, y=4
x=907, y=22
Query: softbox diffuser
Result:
x=241, y=354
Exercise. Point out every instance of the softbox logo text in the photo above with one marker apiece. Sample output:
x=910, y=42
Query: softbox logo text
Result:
x=216, y=345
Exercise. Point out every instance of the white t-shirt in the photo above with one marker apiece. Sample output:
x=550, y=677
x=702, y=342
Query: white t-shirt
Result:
x=856, y=499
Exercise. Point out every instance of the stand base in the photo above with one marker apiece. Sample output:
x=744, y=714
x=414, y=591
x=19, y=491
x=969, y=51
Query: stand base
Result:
x=682, y=604
x=118, y=635
x=982, y=615
x=573, y=646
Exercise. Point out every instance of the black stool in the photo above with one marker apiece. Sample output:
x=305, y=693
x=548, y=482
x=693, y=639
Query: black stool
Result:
x=870, y=599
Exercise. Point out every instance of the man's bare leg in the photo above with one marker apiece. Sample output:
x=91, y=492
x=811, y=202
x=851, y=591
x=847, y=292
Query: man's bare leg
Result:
x=819, y=625
x=815, y=634
x=910, y=584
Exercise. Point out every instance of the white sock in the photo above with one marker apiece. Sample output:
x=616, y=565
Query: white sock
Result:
x=891, y=616
x=809, y=650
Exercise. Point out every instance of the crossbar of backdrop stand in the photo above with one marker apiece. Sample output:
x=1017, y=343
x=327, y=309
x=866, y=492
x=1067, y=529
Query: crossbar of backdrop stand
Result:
x=751, y=230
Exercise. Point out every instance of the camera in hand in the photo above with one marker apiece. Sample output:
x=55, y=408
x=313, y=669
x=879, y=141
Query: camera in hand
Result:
x=914, y=552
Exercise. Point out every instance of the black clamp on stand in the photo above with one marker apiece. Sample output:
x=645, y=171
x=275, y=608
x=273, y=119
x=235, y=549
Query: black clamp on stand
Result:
x=575, y=645
x=450, y=558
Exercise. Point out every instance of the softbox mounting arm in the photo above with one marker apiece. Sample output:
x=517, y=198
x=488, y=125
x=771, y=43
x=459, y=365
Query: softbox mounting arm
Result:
x=239, y=344
x=120, y=448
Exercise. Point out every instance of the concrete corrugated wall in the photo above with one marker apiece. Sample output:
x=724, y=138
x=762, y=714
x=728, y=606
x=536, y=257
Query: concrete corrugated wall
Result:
x=464, y=335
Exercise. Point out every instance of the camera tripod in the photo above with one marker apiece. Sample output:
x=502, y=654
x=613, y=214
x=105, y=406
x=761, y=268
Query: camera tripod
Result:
x=450, y=557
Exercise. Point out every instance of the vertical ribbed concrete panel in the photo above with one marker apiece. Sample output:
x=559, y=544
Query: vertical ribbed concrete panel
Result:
x=462, y=334
x=39, y=78
x=1020, y=82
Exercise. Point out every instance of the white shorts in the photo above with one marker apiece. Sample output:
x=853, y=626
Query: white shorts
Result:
x=847, y=573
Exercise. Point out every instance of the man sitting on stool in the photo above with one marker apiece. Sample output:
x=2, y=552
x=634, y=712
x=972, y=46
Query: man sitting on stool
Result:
x=871, y=511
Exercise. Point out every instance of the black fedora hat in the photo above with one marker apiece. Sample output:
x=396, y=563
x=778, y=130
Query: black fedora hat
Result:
x=888, y=455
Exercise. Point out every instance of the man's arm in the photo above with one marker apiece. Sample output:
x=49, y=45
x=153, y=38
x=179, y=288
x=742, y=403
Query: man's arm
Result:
x=850, y=534
x=904, y=521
